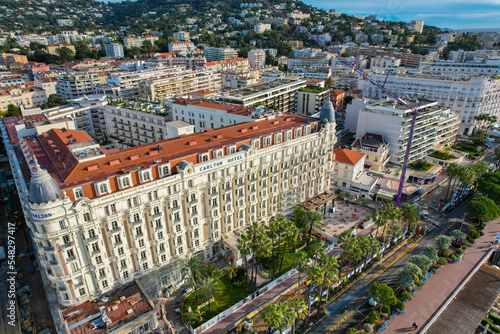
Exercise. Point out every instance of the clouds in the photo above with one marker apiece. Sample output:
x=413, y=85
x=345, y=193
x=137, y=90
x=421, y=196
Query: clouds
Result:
x=443, y=13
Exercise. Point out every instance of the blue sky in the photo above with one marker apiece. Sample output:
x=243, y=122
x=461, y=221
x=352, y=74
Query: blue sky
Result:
x=443, y=13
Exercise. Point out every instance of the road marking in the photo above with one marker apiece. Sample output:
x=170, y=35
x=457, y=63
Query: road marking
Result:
x=400, y=256
x=337, y=325
x=445, y=230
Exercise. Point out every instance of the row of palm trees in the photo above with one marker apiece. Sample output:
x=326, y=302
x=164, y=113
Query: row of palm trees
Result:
x=273, y=240
x=417, y=268
x=462, y=177
x=284, y=314
x=392, y=216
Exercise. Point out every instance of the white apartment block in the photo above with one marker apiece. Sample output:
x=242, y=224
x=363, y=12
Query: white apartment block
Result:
x=311, y=99
x=114, y=50
x=101, y=219
x=313, y=72
x=133, y=127
x=87, y=113
x=184, y=48
x=260, y=27
x=307, y=61
x=282, y=93
x=170, y=60
x=131, y=42
x=486, y=67
x=392, y=120
x=233, y=64
x=76, y=84
x=220, y=53
x=257, y=58
x=311, y=52
x=384, y=63
x=466, y=97
x=158, y=89
x=416, y=26
x=129, y=81
x=205, y=114
x=181, y=36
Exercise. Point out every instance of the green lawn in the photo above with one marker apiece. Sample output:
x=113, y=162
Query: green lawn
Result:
x=228, y=297
x=468, y=148
x=420, y=164
x=288, y=260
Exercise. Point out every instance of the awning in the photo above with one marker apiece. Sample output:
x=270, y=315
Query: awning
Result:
x=385, y=195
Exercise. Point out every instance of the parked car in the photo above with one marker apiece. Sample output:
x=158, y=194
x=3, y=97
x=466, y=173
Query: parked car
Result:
x=424, y=214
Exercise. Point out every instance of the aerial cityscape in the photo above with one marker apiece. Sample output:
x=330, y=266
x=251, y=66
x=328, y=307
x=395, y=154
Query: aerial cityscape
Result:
x=269, y=167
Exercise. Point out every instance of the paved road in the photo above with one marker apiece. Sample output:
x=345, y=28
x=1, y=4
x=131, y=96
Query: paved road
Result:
x=358, y=306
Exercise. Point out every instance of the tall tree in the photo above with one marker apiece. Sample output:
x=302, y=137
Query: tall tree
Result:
x=300, y=310
x=411, y=215
x=314, y=221
x=423, y=262
x=458, y=235
x=452, y=172
x=330, y=276
x=382, y=294
x=302, y=264
x=314, y=278
x=194, y=266
x=211, y=289
x=431, y=253
x=483, y=209
x=443, y=242
x=244, y=247
x=272, y=316
x=291, y=233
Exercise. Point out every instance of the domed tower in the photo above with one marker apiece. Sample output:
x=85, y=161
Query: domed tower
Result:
x=43, y=188
x=327, y=112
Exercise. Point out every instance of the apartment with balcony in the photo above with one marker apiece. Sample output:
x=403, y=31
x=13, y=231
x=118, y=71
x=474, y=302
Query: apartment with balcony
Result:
x=310, y=99
x=280, y=93
x=375, y=149
x=76, y=84
x=392, y=120
x=465, y=96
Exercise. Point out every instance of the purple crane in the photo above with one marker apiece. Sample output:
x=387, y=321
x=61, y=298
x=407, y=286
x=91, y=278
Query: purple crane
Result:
x=370, y=80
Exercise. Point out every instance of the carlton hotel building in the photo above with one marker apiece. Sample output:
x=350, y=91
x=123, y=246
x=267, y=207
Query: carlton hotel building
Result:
x=101, y=219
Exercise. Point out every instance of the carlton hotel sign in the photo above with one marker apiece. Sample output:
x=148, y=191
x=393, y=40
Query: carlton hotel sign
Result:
x=220, y=163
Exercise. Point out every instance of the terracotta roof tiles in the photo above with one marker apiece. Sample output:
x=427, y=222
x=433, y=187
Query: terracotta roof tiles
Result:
x=347, y=156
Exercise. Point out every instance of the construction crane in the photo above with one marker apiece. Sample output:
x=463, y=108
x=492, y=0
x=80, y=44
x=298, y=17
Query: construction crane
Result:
x=360, y=72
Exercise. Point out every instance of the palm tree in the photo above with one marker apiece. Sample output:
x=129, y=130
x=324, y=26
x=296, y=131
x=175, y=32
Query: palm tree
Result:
x=431, y=253
x=423, y=262
x=380, y=219
x=443, y=242
x=396, y=232
x=302, y=264
x=352, y=251
x=314, y=277
x=414, y=271
x=290, y=232
x=231, y=271
x=316, y=251
x=314, y=221
x=411, y=215
x=374, y=245
x=288, y=315
x=452, y=172
x=364, y=245
x=194, y=266
x=300, y=309
x=393, y=213
x=299, y=214
x=210, y=289
x=256, y=232
x=262, y=249
x=405, y=279
x=272, y=232
x=244, y=248
x=330, y=275
x=272, y=316
x=458, y=234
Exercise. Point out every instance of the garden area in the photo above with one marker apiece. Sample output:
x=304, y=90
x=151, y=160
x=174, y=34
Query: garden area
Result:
x=475, y=148
x=421, y=165
x=441, y=155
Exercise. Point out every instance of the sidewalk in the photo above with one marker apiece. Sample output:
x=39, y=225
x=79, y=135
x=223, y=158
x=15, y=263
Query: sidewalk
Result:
x=440, y=286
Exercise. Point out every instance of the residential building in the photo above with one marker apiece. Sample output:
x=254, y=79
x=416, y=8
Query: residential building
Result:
x=279, y=93
x=170, y=59
x=183, y=48
x=384, y=63
x=182, y=36
x=76, y=84
x=115, y=217
x=131, y=42
x=212, y=53
x=310, y=99
x=8, y=58
x=486, y=66
x=279, y=21
x=11, y=81
x=47, y=84
x=212, y=114
x=234, y=64
x=52, y=48
x=307, y=61
x=64, y=22
x=131, y=127
x=157, y=89
x=129, y=81
x=311, y=72
x=21, y=95
x=257, y=58
x=417, y=26
x=375, y=149
x=260, y=27
x=114, y=50
x=337, y=97
x=87, y=112
x=377, y=39
x=392, y=120
x=348, y=173
x=466, y=97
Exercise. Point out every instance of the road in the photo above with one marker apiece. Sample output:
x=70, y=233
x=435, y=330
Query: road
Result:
x=358, y=307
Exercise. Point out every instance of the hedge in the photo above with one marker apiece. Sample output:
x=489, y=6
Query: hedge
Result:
x=442, y=261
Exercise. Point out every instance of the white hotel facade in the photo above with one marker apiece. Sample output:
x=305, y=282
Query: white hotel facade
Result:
x=101, y=219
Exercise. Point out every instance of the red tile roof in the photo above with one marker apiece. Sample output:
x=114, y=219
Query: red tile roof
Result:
x=347, y=156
